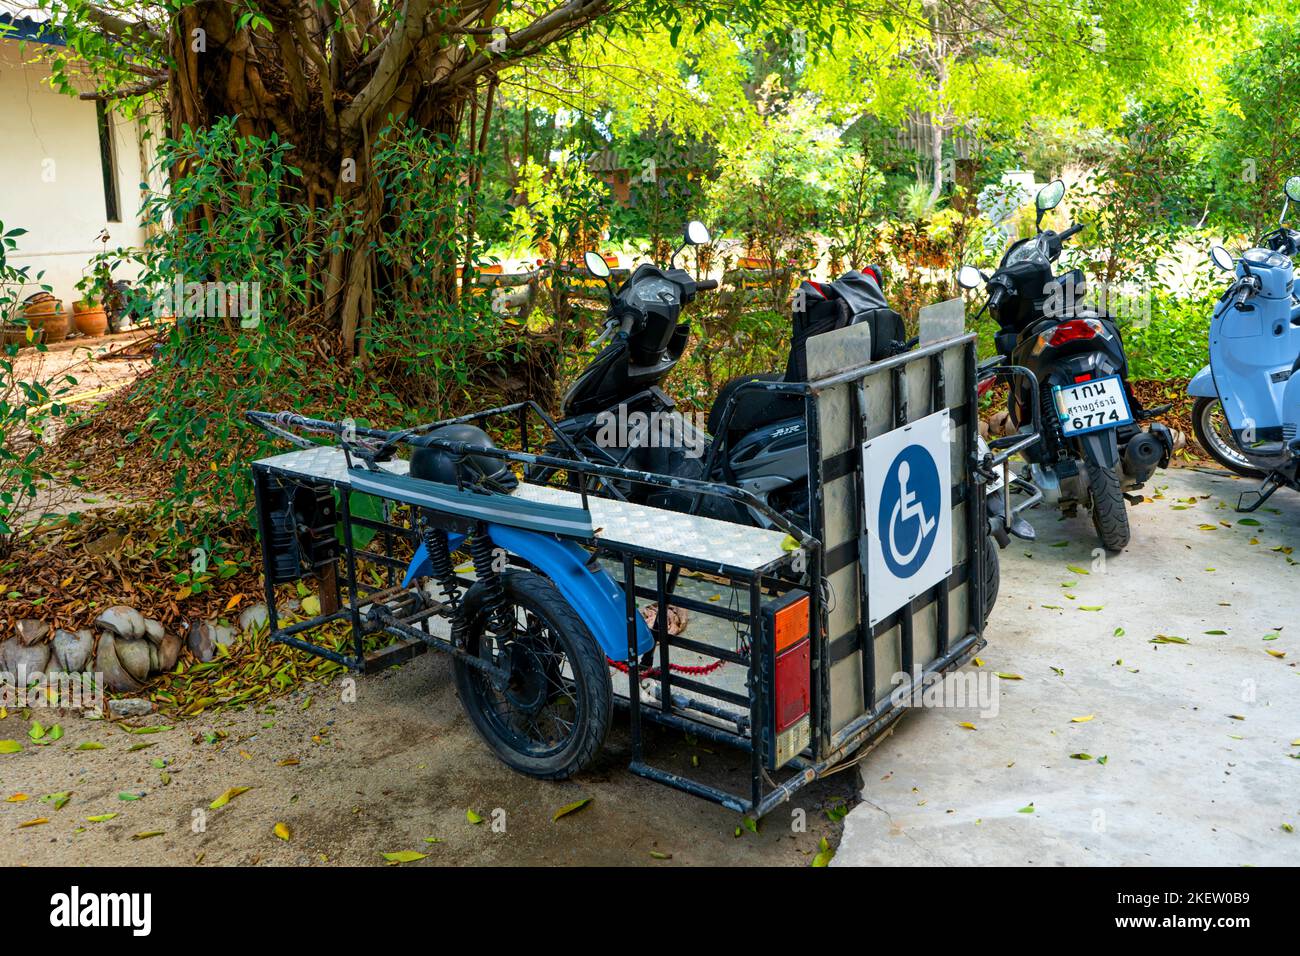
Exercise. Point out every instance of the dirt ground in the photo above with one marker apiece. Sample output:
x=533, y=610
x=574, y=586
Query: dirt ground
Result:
x=390, y=772
x=89, y=362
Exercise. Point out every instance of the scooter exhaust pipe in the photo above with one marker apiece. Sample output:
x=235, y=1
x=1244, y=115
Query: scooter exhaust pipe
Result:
x=1141, y=455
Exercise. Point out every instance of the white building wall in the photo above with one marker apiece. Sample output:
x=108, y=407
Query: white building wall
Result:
x=51, y=182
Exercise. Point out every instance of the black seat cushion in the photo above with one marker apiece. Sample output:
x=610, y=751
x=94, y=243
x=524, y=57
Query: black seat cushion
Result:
x=754, y=408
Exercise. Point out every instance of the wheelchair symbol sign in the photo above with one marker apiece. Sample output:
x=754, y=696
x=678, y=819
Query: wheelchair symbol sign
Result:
x=909, y=512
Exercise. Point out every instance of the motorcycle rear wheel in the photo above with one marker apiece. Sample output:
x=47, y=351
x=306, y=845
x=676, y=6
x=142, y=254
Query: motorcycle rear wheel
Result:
x=992, y=575
x=1210, y=426
x=1109, y=509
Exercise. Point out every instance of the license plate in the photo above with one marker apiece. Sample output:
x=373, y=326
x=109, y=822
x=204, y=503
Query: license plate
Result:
x=1092, y=405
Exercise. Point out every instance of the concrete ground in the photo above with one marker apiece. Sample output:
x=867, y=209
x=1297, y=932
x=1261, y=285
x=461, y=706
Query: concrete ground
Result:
x=1200, y=741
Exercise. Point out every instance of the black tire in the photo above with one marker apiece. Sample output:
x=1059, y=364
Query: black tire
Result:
x=992, y=575
x=1109, y=509
x=549, y=634
x=1219, y=447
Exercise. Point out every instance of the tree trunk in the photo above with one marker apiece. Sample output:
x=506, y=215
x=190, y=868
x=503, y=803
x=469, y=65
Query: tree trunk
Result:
x=936, y=155
x=279, y=81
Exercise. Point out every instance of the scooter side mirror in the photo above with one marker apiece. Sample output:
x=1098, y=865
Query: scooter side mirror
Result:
x=597, y=265
x=697, y=234
x=1049, y=197
x=1222, y=259
x=1292, y=189
x=968, y=277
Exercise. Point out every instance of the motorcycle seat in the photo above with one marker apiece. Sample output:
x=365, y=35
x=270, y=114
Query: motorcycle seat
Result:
x=755, y=407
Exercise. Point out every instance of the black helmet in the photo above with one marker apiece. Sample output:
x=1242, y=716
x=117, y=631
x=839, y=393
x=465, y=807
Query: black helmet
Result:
x=438, y=464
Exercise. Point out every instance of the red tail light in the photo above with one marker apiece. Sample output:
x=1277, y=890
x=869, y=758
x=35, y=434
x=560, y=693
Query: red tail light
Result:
x=1085, y=377
x=1072, y=331
x=787, y=659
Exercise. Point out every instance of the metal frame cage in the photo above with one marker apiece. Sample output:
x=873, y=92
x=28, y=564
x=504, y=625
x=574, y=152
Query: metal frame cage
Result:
x=310, y=525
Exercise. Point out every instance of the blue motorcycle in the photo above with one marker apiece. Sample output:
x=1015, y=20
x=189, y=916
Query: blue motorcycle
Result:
x=1248, y=398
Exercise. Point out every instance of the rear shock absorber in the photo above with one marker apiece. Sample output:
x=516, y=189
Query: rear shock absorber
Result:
x=435, y=543
x=494, y=592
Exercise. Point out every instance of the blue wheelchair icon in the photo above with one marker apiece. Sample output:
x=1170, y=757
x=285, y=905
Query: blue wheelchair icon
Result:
x=909, y=511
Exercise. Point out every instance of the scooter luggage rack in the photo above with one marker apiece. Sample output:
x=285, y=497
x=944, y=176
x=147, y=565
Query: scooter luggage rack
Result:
x=644, y=543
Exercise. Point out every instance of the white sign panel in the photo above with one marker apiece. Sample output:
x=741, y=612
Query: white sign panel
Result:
x=908, y=474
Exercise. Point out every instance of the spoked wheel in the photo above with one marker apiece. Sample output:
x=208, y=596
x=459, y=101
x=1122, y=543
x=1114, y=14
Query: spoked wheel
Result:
x=549, y=718
x=1215, y=435
x=1109, y=510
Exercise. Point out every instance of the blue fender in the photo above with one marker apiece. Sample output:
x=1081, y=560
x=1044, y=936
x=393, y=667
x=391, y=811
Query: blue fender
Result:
x=1202, y=385
x=420, y=567
x=593, y=594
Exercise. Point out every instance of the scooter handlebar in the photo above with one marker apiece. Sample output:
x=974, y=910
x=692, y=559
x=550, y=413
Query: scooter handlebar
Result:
x=706, y=285
x=1073, y=230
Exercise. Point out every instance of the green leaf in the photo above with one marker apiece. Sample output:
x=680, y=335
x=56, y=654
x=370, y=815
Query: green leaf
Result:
x=824, y=854
x=568, y=808
x=10, y=746
x=473, y=817
x=405, y=856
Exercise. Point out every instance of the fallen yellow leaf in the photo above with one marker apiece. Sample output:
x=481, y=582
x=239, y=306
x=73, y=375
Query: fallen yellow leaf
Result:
x=283, y=832
x=1081, y=720
x=967, y=725
x=226, y=797
x=404, y=856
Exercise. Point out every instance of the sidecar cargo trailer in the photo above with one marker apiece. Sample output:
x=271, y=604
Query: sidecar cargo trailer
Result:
x=786, y=628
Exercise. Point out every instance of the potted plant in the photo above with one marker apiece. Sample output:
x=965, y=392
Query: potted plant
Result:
x=88, y=313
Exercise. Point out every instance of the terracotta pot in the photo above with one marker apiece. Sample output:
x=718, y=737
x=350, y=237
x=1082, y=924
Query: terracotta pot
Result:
x=56, y=327
x=41, y=307
x=90, y=319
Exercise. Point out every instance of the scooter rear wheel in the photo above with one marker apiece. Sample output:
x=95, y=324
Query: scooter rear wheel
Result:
x=550, y=718
x=1109, y=510
x=1210, y=425
x=992, y=575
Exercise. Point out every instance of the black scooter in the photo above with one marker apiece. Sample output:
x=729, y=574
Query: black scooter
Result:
x=616, y=413
x=1093, y=449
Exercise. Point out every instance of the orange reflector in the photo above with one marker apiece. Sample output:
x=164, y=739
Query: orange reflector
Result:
x=791, y=624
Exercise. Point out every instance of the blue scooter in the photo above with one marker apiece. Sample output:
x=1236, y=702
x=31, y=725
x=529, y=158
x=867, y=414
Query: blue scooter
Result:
x=1248, y=398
